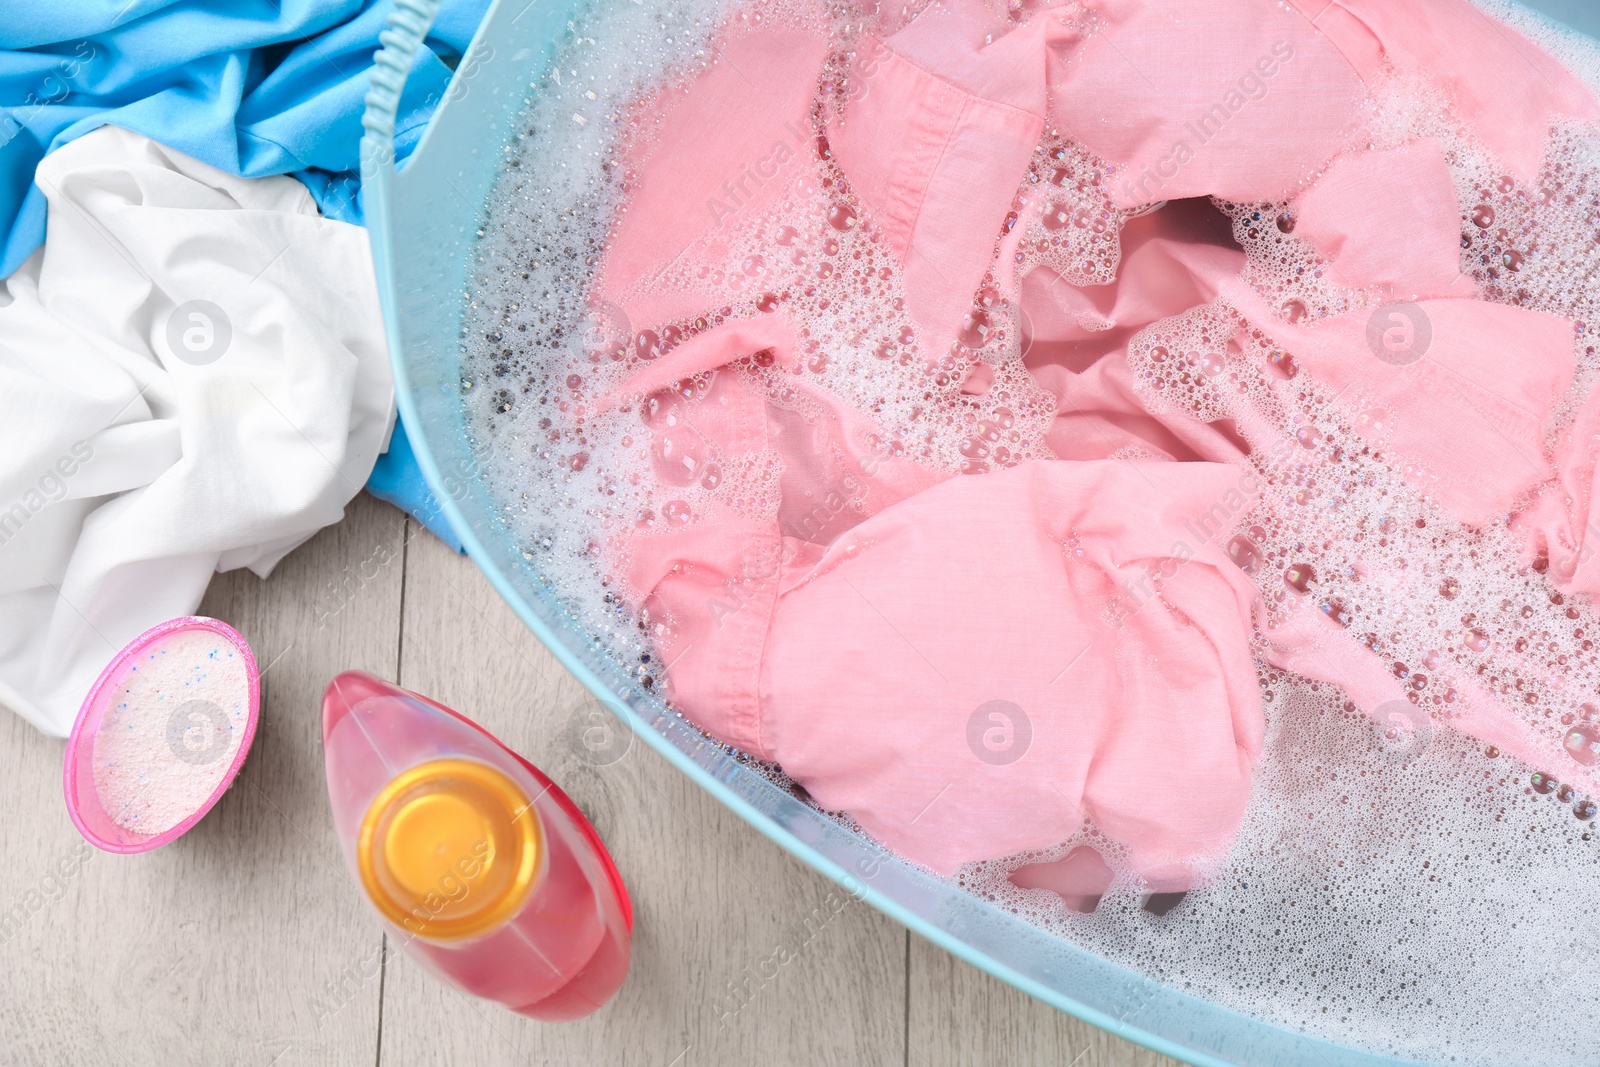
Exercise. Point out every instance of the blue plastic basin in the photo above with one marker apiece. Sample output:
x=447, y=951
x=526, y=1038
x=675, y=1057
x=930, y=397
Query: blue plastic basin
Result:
x=422, y=221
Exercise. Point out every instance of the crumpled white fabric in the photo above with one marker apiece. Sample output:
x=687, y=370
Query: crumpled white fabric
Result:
x=146, y=440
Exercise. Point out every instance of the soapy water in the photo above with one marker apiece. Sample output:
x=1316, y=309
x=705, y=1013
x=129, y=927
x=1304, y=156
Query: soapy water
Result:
x=1396, y=885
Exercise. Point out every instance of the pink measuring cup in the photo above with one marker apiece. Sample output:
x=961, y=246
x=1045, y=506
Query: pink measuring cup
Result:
x=83, y=800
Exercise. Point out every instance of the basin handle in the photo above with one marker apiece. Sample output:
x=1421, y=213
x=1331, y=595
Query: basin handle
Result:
x=403, y=33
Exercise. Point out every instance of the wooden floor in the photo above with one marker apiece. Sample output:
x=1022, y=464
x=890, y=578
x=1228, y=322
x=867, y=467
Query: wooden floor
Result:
x=245, y=943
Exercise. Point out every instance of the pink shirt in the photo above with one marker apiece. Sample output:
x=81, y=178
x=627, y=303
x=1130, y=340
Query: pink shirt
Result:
x=973, y=666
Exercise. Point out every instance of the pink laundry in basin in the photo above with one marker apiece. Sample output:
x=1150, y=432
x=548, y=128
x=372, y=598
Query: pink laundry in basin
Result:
x=161, y=734
x=975, y=667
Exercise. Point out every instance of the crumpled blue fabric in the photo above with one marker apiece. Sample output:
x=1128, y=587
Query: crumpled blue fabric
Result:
x=252, y=87
x=398, y=479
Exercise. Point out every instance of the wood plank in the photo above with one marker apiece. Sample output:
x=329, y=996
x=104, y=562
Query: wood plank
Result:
x=718, y=906
x=959, y=1015
x=220, y=947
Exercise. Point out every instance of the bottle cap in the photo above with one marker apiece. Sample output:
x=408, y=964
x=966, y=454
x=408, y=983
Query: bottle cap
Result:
x=450, y=849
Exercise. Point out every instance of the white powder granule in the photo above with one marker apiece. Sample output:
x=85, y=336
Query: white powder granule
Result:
x=172, y=727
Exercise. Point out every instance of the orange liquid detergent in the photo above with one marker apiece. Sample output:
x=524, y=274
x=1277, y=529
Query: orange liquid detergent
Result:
x=481, y=866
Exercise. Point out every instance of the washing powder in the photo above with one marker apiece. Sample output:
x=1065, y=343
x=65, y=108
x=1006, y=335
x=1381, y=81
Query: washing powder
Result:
x=171, y=729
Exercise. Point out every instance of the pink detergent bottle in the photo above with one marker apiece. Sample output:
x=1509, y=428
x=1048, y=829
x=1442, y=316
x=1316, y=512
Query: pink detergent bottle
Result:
x=482, y=867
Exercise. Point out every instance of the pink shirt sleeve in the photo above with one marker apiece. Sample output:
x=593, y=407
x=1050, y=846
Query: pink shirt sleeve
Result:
x=1355, y=211
x=965, y=700
x=1430, y=383
x=937, y=155
x=711, y=159
x=1506, y=88
x=1240, y=99
x=1559, y=526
